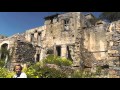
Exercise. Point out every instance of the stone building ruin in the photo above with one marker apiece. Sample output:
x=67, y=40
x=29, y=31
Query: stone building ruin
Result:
x=71, y=35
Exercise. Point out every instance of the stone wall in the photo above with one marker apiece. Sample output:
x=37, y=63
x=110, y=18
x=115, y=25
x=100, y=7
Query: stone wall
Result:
x=90, y=46
x=23, y=52
x=2, y=38
x=35, y=32
x=95, y=41
x=113, y=38
x=62, y=29
x=36, y=37
x=69, y=35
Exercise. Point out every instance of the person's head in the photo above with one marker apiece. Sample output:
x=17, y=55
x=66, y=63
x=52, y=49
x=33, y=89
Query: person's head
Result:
x=18, y=69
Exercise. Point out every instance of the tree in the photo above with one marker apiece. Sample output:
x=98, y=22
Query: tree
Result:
x=110, y=16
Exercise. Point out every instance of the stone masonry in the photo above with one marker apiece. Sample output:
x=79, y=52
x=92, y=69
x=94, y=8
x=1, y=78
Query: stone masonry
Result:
x=71, y=35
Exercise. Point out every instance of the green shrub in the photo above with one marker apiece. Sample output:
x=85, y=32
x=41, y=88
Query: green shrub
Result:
x=33, y=73
x=98, y=70
x=82, y=74
x=51, y=59
x=36, y=71
x=52, y=73
x=2, y=63
x=4, y=73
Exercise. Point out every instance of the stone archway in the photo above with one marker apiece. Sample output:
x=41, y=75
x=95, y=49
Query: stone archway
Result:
x=4, y=53
x=4, y=49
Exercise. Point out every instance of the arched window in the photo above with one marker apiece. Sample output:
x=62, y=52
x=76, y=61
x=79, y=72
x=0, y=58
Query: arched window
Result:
x=66, y=24
x=32, y=37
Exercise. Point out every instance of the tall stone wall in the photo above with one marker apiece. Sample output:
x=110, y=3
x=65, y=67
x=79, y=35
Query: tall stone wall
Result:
x=35, y=32
x=90, y=46
x=113, y=38
x=62, y=29
x=24, y=52
x=95, y=41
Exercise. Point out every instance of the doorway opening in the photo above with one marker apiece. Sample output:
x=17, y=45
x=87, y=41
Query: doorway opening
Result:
x=58, y=49
x=68, y=53
x=38, y=58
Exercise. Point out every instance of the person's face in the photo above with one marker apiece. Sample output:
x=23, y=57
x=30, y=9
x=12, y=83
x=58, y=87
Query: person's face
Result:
x=17, y=69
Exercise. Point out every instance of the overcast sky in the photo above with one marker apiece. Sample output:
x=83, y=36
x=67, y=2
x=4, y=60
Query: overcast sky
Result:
x=18, y=22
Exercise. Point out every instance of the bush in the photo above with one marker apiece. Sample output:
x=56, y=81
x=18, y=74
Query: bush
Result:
x=2, y=63
x=82, y=74
x=33, y=71
x=38, y=71
x=98, y=70
x=4, y=73
x=51, y=59
x=52, y=73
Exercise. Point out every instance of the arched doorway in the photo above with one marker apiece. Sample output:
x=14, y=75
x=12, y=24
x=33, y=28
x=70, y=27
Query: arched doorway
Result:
x=4, y=53
x=4, y=50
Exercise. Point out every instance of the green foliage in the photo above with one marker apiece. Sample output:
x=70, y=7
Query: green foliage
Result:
x=4, y=73
x=33, y=71
x=98, y=70
x=52, y=73
x=9, y=74
x=4, y=50
x=51, y=59
x=2, y=62
x=82, y=74
x=39, y=71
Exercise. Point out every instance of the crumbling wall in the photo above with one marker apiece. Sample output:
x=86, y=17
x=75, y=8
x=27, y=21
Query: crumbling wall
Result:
x=61, y=33
x=35, y=32
x=2, y=37
x=113, y=38
x=95, y=41
x=90, y=46
x=24, y=52
x=36, y=37
x=20, y=51
x=61, y=29
x=68, y=31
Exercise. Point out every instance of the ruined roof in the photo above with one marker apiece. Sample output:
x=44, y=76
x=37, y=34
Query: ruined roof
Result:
x=2, y=36
x=51, y=17
x=90, y=15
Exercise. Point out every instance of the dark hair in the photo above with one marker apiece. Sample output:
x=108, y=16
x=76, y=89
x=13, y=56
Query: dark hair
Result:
x=17, y=65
